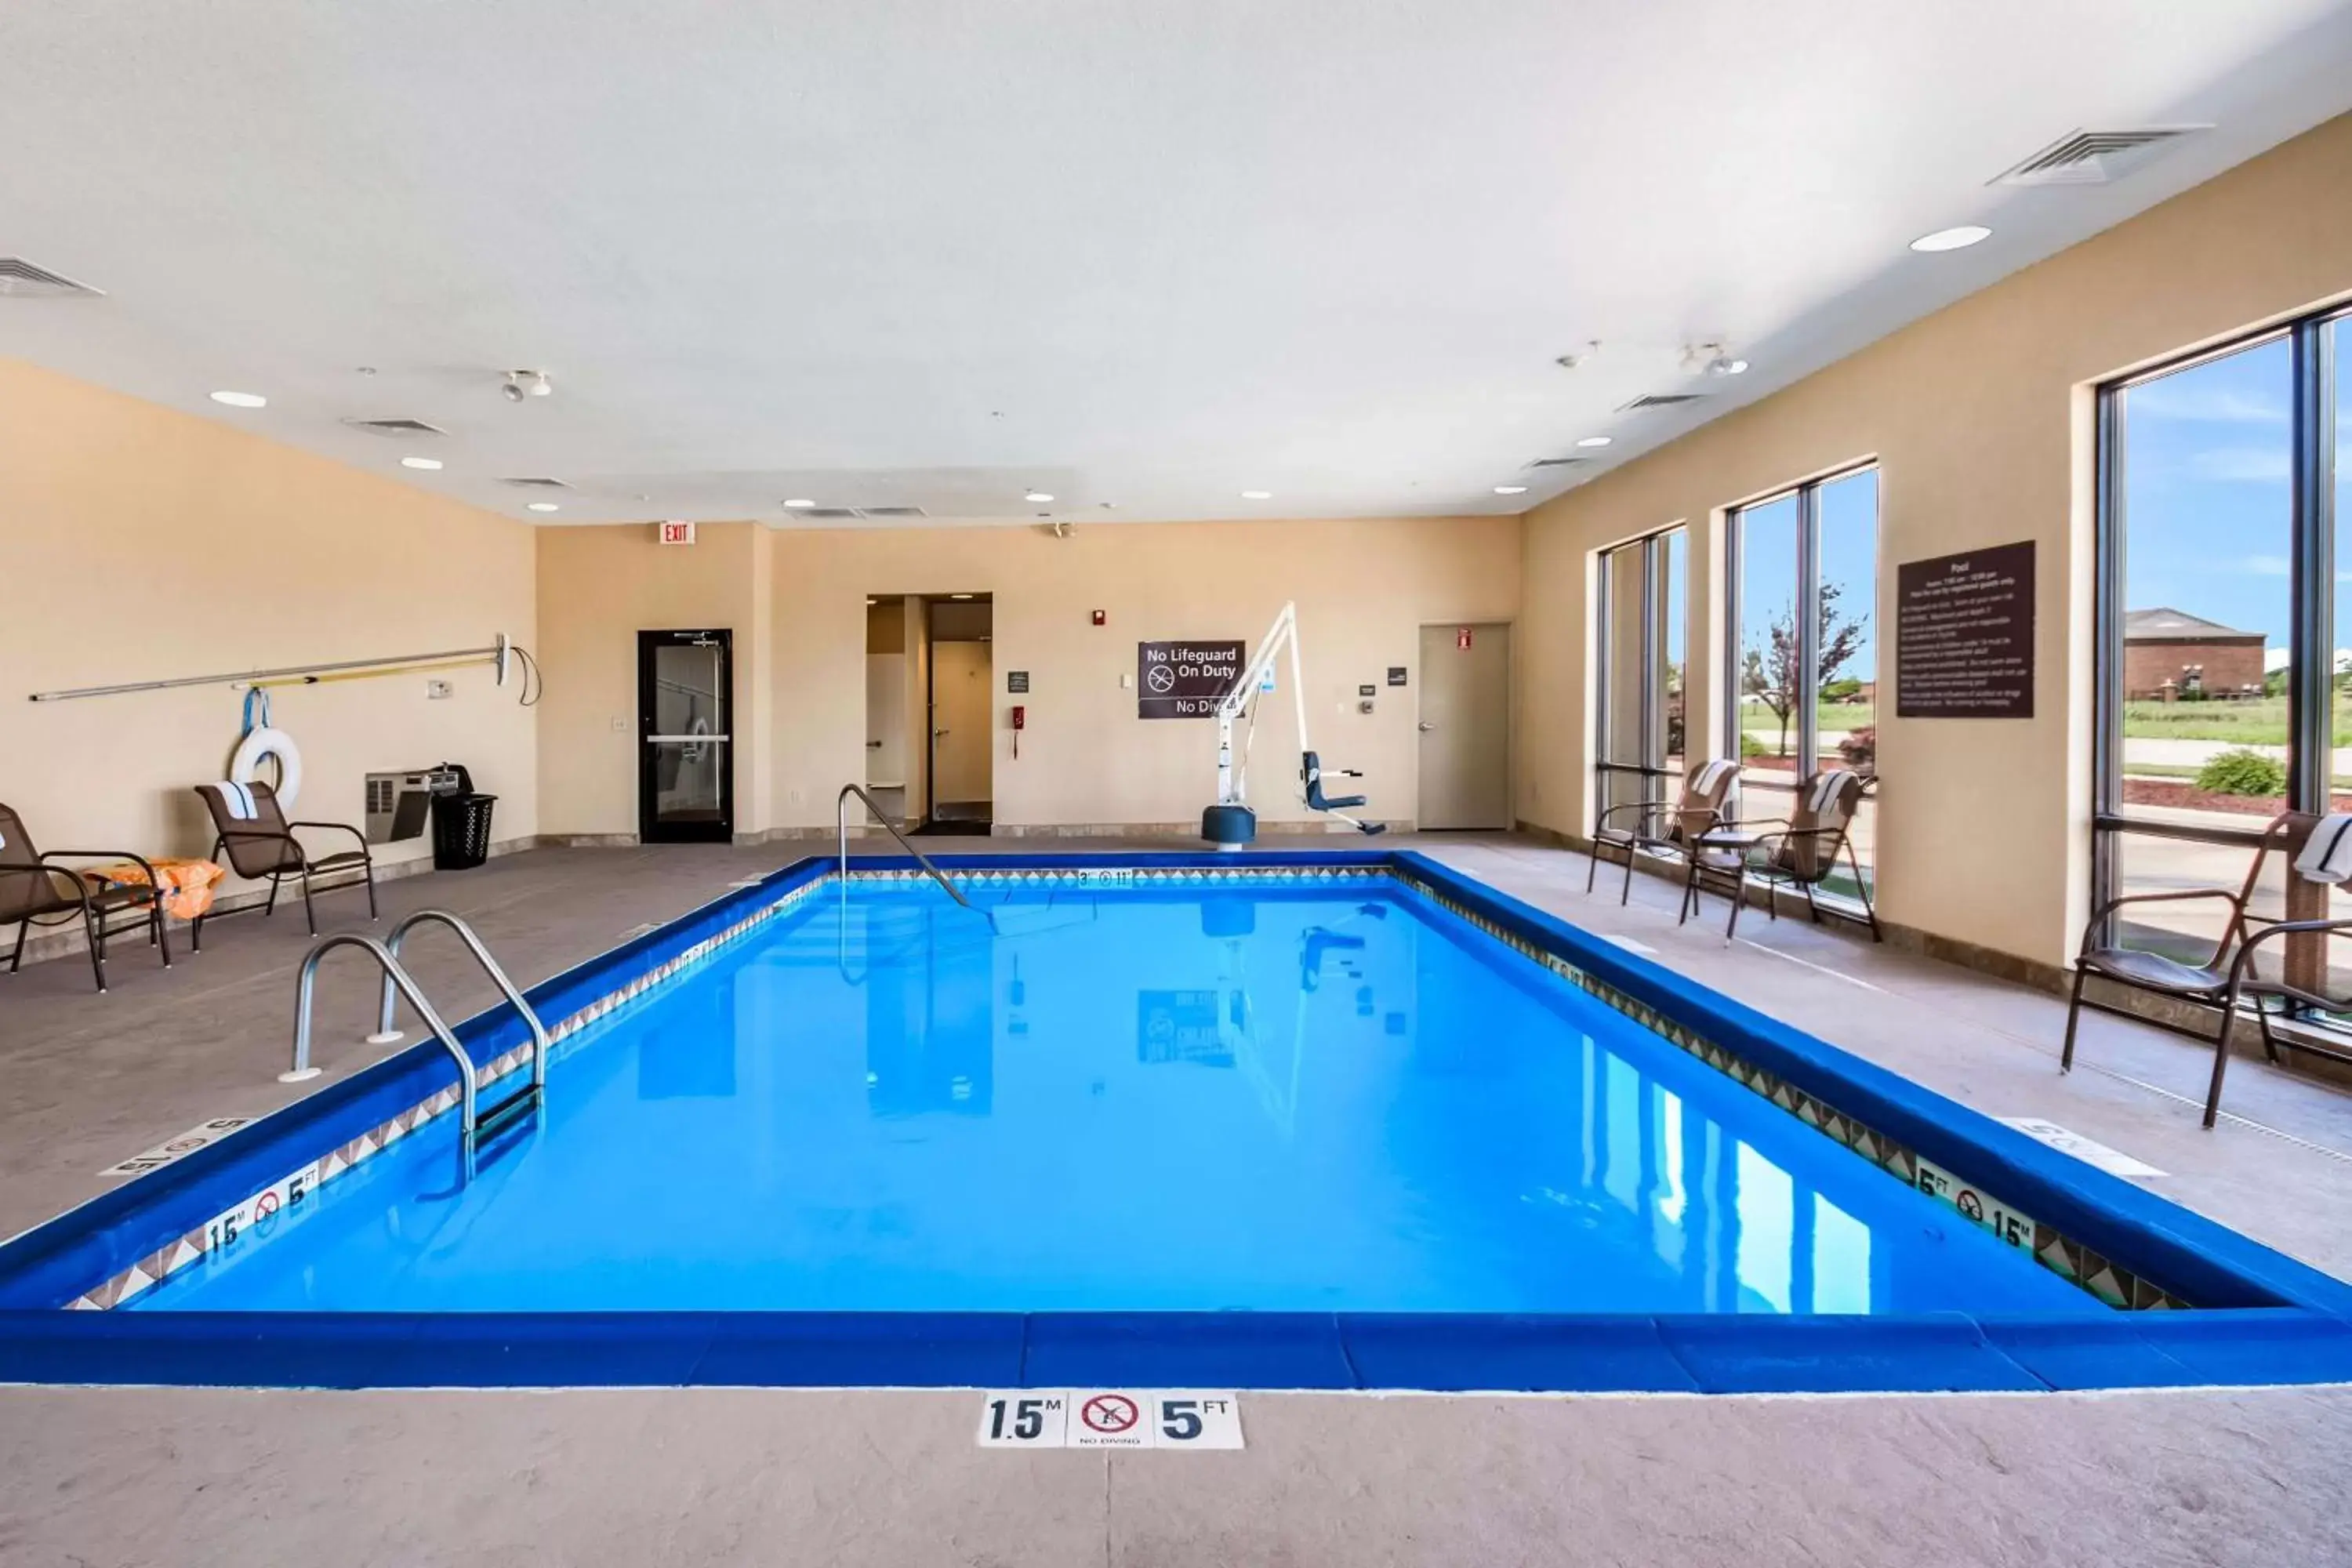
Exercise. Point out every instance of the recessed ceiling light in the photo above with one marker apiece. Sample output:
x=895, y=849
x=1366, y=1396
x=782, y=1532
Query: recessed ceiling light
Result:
x=1037, y=495
x=426, y=463
x=1959, y=239
x=958, y=596
x=869, y=603
x=799, y=501
x=241, y=399
x=1596, y=440
x=1727, y=365
x=1258, y=495
x=1510, y=489
x=544, y=506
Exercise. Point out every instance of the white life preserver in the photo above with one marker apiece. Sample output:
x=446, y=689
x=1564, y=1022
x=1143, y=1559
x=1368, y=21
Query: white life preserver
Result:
x=268, y=743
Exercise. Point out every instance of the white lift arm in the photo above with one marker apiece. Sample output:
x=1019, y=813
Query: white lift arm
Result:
x=1233, y=780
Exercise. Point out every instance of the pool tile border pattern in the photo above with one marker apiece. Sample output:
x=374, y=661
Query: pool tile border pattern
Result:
x=2071, y=1260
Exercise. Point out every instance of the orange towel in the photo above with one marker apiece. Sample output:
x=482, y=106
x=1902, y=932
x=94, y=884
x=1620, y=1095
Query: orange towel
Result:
x=187, y=884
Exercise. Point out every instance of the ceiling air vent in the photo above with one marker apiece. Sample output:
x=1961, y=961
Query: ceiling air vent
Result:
x=1661, y=400
x=1557, y=462
x=536, y=484
x=830, y=513
x=395, y=428
x=2093, y=157
x=891, y=512
x=20, y=279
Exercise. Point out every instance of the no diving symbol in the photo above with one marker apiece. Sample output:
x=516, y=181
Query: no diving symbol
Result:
x=265, y=1205
x=1109, y=1412
x=1161, y=677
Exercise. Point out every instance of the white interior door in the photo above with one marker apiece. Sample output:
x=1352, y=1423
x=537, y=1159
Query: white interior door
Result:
x=1465, y=727
x=960, y=712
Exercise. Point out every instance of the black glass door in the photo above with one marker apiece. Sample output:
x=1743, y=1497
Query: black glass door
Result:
x=686, y=751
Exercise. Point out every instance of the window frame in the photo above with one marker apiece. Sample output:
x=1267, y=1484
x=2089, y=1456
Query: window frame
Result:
x=1651, y=741
x=1807, y=610
x=2312, y=524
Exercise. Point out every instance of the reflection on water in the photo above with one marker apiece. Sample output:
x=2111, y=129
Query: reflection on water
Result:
x=1274, y=1098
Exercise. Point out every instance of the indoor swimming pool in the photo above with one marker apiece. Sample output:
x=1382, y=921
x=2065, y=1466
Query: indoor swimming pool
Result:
x=1242, y=1096
x=1273, y=1120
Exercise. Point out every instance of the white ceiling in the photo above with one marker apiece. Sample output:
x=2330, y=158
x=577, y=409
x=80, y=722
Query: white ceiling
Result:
x=1143, y=255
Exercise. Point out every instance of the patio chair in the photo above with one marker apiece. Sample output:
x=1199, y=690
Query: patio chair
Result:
x=1801, y=851
x=35, y=892
x=2230, y=978
x=263, y=845
x=1709, y=794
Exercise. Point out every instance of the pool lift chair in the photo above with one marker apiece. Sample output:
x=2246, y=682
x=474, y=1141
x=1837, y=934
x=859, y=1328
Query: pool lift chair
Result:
x=1231, y=823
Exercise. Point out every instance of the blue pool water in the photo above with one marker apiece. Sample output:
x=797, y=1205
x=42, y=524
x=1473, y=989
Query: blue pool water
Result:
x=1277, y=1097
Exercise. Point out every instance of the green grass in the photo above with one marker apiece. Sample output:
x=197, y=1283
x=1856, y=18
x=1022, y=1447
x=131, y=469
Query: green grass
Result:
x=1831, y=718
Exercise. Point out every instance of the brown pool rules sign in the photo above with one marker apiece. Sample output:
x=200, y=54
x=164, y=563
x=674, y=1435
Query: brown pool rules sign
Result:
x=1964, y=636
x=1184, y=679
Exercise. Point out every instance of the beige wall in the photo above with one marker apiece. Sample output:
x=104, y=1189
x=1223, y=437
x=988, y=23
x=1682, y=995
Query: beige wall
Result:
x=1979, y=417
x=137, y=543
x=598, y=587
x=1363, y=588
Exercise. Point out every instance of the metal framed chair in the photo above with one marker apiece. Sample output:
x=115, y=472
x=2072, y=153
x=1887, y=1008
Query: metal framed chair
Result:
x=2230, y=979
x=1801, y=851
x=33, y=892
x=263, y=845
x=1710, y=794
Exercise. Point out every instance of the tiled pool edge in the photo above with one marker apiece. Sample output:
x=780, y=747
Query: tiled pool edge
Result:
x=2078, y=1264
x=2308, y=1341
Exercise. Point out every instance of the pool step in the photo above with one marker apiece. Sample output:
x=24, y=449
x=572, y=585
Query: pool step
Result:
x=531, y=1096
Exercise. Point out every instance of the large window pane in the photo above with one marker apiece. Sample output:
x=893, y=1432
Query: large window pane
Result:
x=2339, y=335
x=1847, y=664
x=1767, y=685
x=2207, y=518
x=1623, y=697
x=1674, y=561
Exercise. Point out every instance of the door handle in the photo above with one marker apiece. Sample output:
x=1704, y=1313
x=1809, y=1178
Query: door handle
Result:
x=1425, y=726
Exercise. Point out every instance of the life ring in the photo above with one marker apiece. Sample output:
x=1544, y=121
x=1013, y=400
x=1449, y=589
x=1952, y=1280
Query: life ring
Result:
x=268, y=743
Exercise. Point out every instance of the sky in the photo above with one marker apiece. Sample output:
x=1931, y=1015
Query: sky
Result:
x=1767, y=565
x=2207, y=498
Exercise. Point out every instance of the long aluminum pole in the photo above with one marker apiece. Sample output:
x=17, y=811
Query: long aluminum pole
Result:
x=495, y=651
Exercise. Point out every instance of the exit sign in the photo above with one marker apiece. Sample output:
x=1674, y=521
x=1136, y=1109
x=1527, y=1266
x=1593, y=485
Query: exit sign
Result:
x=677, y=534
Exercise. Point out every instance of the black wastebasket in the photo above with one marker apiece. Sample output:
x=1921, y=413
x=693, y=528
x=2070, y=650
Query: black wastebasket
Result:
x=461, y=825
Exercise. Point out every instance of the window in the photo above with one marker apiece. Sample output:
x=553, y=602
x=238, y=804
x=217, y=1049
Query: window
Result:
x=2224, y=684
x=1642, y=627
x=1804, y=647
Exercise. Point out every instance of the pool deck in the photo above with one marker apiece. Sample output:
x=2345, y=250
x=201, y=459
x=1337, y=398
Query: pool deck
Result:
x=719, y=1476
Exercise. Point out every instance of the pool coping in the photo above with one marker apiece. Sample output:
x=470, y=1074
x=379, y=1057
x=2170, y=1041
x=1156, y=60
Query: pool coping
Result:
x=2262, y=1317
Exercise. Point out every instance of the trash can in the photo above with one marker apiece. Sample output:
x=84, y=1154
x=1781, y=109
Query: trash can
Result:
x=461, y=824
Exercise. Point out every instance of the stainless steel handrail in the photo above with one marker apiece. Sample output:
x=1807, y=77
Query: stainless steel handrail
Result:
x=841, y=826
x=394, y=975
x=384, y=1033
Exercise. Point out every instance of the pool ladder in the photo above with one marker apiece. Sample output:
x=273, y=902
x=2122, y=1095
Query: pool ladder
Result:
x=397, y=979
x=841, y=830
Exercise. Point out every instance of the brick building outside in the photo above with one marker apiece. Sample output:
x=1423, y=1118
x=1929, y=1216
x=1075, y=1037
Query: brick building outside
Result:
x=2195, y=654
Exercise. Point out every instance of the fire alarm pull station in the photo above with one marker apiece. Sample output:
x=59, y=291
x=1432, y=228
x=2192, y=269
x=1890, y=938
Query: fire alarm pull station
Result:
x=1020, y=723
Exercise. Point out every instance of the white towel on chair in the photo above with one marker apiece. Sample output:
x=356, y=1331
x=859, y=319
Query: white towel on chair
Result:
x=1825, y=790
x=2327, y=855
x=237, y=798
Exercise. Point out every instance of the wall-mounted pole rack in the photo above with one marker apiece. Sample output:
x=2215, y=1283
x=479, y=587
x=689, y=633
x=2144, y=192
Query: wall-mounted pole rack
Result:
x=399, y=664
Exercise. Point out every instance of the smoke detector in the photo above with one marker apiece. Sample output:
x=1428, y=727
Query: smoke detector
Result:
x=522, y=384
